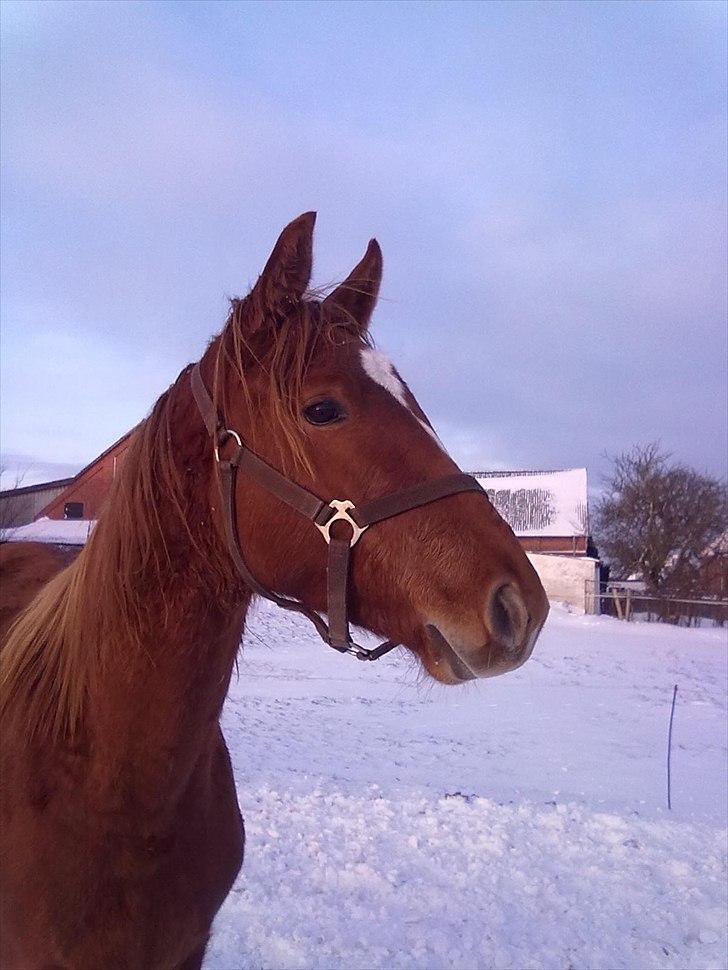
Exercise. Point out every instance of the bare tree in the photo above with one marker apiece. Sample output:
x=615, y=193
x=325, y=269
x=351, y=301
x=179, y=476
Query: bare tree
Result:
x=658, y=520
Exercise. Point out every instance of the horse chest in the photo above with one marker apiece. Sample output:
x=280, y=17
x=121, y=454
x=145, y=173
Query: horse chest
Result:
x=112, y=888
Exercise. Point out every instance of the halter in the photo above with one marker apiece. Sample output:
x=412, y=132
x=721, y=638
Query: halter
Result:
x=322, y=514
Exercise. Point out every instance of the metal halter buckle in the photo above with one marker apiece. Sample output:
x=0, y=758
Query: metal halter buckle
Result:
x=341, y=507
x=222, y=438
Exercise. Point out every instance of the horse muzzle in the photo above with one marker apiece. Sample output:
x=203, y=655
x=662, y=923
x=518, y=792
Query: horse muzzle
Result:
x=506, y=638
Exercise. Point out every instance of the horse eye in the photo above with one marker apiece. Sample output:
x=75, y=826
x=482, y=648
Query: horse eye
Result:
x=324, y=412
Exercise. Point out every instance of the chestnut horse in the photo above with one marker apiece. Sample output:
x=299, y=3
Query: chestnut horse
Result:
x=121, y=829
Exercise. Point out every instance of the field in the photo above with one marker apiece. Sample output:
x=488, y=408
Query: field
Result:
x=519, y=822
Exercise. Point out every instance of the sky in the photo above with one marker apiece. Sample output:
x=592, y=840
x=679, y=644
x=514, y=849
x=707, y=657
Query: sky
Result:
x=547, y=182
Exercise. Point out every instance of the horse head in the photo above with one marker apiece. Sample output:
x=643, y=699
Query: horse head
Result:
x=300, y=380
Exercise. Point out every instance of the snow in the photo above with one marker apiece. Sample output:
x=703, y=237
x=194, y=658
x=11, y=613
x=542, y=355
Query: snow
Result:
x=519, y=822
x=72, y=532
x=548, y=503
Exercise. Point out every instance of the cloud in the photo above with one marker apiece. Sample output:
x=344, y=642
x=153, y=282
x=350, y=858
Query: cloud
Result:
x=548, y=191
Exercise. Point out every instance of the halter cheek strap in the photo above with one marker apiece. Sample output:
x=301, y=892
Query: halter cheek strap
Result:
x=322, y=514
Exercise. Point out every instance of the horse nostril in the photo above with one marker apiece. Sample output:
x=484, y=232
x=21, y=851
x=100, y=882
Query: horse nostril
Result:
x=507, y=617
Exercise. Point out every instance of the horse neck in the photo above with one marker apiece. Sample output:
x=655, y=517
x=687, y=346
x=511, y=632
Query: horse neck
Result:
x=153, y=708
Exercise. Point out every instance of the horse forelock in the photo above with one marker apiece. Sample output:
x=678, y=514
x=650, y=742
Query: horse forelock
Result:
x=281, y=341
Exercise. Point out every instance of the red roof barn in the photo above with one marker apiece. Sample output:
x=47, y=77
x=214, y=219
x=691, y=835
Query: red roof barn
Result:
x=85, y=495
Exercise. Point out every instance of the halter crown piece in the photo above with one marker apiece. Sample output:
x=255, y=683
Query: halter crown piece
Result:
x=323, y=515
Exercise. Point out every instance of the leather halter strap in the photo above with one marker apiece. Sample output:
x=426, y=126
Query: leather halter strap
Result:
x=323, y=515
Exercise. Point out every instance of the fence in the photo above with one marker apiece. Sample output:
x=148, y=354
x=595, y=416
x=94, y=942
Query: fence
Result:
x=629, y=601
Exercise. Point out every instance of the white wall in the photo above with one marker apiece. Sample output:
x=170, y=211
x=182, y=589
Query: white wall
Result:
x=564, y=577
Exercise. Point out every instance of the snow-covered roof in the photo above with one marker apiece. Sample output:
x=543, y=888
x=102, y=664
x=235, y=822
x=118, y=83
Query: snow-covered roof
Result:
x=71, y=532
x=540, y=503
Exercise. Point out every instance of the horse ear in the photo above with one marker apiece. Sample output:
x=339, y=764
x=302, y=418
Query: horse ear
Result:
x=357, y=295
x=288, y=270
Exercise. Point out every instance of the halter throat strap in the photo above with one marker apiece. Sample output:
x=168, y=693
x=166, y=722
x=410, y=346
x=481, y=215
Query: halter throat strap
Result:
x=322, y=514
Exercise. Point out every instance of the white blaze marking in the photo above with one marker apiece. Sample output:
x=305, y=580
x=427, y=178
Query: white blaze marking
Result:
x=381, y=370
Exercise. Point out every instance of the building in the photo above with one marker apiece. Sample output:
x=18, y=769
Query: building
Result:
x=18, y=506
x=547, y=510
x=84, y=495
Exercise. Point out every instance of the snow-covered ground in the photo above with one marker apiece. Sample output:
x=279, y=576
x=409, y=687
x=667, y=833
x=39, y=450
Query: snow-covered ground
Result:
x=519, y=822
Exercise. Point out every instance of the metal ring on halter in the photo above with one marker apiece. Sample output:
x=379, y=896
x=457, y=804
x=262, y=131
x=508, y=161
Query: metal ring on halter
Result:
x=340, y=507
x=222, y=438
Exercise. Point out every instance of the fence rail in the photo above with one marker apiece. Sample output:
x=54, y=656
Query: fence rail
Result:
x=628, y=602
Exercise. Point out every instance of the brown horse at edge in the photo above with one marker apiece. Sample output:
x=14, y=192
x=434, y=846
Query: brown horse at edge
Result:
x=121, y=832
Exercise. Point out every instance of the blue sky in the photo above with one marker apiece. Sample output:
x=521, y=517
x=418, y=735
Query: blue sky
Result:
x=547, y=182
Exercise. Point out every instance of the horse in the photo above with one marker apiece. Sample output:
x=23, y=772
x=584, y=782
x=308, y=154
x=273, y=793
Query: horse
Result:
x=121, y=829
x=25, y=567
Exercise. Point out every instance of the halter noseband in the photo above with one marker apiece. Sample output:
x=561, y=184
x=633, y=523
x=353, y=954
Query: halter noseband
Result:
x=322, y=514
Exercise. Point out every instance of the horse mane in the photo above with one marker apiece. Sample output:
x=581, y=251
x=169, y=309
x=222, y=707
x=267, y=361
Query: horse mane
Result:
x=93, y=609
x=96, y=608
